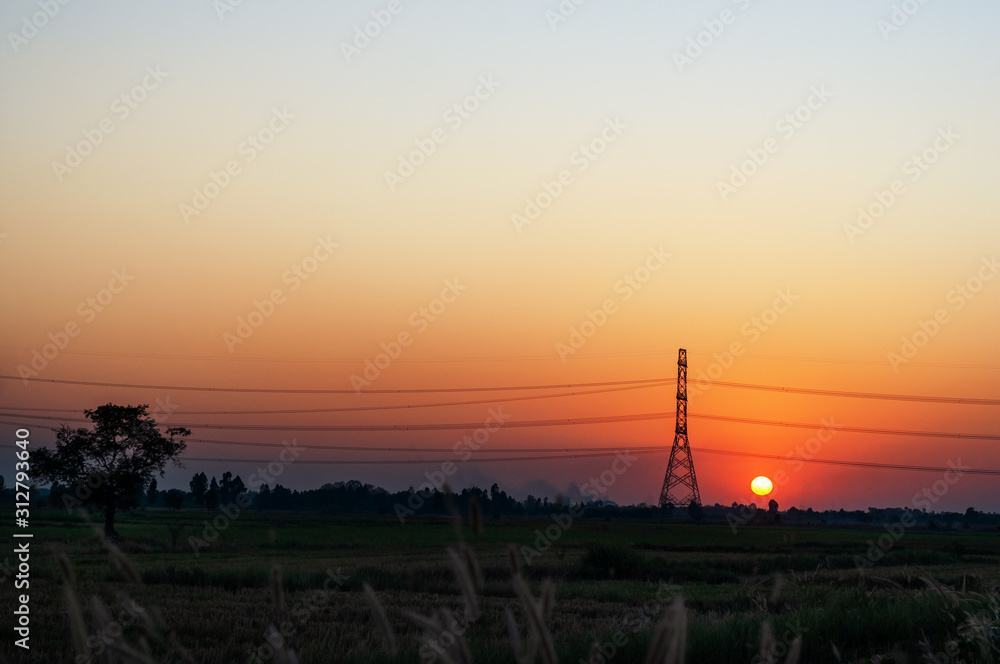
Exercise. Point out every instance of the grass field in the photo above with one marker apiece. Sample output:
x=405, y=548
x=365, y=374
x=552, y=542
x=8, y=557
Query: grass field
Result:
x=932, y=593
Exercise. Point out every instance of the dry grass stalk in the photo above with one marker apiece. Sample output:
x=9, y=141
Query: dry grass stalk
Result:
x=882, y=581
x=767, y=645
x=465, y=584
x=472, y=563
x=447, y=643
x=277, y=585
x=795, y=651
x=119, y=561
x=282, y=653
x=533, y=609
x=946, y=592
x=515, y=633
x=78, y=628
x=459, y=649
x=670, y=639
x=548, y=599
x=596, y=656
x=388, y=637
x=514, y=560
x=774, y=601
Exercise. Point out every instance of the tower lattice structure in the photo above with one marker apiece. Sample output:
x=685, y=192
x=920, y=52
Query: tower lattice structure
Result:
x=680, y=485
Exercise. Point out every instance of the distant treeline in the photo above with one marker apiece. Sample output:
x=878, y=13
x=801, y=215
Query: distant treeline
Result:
x=354, y=497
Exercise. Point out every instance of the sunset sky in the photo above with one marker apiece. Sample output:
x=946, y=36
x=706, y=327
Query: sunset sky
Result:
x=814, y=181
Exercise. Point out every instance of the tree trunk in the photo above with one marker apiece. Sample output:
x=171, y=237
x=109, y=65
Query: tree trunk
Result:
x=109, y=518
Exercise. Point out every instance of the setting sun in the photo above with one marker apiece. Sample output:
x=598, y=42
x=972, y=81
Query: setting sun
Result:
x=761, y=485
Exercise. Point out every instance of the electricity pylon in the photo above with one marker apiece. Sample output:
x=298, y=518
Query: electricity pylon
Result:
x=680, y=485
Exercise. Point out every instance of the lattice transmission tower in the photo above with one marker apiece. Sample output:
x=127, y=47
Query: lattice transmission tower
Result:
x=680, y=485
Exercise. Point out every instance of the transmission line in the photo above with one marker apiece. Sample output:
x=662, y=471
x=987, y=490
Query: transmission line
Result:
x=190, y=388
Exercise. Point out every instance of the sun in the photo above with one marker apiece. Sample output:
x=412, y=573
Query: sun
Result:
x=761, y=485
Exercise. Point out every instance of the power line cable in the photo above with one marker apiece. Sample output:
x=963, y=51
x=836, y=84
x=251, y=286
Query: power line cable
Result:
x=354, y=409
x=189, y=388
x=637, y=417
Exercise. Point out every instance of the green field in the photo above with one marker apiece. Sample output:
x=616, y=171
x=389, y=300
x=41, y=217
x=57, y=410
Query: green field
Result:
x=932, y=594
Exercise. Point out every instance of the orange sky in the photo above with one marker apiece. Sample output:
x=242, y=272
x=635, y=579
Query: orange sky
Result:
x=643, y=215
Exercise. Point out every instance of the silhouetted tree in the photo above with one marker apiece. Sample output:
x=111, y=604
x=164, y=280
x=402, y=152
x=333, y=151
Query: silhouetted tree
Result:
x=199, y=486
x=695, y=511
x=123, y=451
x=212, y=496
x=264, y=497
x=174, y=499
x=225, y=487
x=151, y=493
x=237, y=488
x=970, y=516
x=772, y=506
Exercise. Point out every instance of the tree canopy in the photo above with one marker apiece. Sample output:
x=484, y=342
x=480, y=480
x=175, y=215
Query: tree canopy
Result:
x=109, y=466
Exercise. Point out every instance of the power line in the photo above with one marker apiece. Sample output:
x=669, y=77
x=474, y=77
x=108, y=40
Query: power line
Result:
x=597, y=453
x=881, y=363
x=447, y=426
x=861, y=464
x=550, y=454
x=354, y=409
x=838, y=428
x=342, y=360
x=461, y=360
x=636, y=384
x=418, y=450
x=861, y=395
x=638, y=417
x=407, y=462
x=189, y=388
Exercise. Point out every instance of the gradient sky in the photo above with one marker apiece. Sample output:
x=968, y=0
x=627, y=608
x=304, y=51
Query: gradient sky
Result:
x=891, y=95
